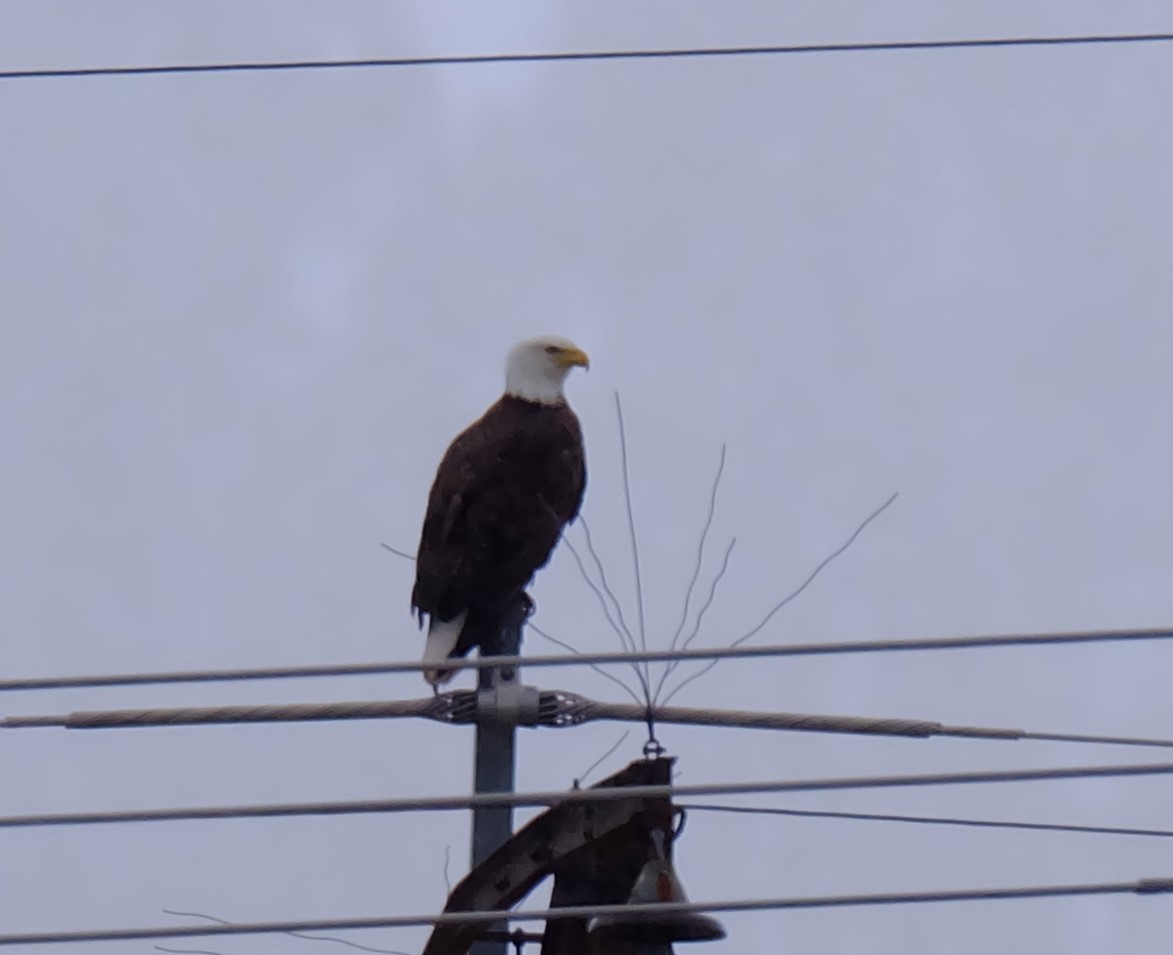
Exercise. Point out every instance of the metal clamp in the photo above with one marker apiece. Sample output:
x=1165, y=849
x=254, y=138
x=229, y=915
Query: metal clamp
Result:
x=509, y=703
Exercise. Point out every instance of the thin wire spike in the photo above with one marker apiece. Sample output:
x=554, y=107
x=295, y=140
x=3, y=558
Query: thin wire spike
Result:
x=818, y=570
x=398, y=553
x=671, y=665
x=605, y=588
x=696, y=571
x=717, y=578
x=586, y=533
x=599, y=593
x=639, y=590
x=594, y=666
x=595, y=765
x=302, y=935
x=791, y=596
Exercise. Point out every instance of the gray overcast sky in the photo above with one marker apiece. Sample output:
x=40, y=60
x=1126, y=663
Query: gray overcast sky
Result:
x=244, y=314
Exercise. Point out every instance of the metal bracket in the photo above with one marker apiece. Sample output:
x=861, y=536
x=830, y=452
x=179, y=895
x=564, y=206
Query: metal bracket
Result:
x=577, y=841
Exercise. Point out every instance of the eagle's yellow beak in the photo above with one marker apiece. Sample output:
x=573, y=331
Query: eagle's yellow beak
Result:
x=569, y=357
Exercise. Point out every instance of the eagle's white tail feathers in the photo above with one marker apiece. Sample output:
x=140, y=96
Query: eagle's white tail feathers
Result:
x=441, y=642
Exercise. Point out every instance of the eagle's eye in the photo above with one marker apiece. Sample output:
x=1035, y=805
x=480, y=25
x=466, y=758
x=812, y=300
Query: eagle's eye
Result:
x=552, y=349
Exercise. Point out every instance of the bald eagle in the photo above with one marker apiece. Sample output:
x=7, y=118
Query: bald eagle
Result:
x=505, y=489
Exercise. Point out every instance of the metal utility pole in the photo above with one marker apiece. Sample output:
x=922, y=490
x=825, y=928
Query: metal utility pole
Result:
x=499, y=695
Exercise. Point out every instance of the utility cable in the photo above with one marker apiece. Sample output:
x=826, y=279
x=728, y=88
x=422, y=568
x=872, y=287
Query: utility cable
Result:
x=927, y=820
x=555, y=797
x=550, y=708
x=643, y=910
x=588, y=710
x=579, y=56
x=249, y=713
x=585, y=659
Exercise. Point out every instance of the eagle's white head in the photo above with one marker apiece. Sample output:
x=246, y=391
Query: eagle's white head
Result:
x=537, y=368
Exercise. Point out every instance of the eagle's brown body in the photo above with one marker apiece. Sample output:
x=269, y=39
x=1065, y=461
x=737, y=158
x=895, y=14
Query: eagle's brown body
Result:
x=505, y=489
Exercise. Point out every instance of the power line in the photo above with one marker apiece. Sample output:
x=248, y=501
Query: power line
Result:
x=927, y=820
x=1098, y=740
x=550, y=708
x=586, y=659
x=747, y=719
x=248, y=713
x=648, y=54
x=555, y=797
x=644, y=910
